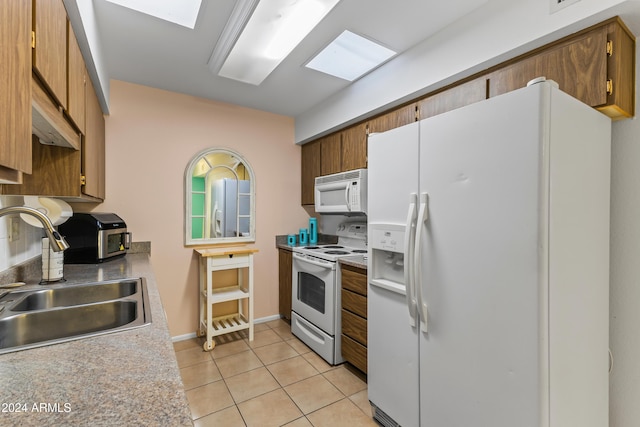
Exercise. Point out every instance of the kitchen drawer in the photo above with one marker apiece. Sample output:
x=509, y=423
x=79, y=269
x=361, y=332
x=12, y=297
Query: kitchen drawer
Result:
x=355, y=303
x=354, y=353
x=228, y=261
x=354, y=279
x=354, y=326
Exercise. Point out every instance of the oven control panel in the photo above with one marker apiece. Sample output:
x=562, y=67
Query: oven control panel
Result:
x=353, y=229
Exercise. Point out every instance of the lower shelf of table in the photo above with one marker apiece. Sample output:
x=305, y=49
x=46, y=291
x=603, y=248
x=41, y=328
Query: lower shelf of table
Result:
x=225, y=324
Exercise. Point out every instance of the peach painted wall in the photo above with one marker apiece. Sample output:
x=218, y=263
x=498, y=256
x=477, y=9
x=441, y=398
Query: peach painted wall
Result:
x=151, y=135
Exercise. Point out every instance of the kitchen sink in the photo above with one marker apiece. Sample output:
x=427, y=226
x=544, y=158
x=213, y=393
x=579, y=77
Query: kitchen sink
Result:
x=76, y=295
x=43, y=317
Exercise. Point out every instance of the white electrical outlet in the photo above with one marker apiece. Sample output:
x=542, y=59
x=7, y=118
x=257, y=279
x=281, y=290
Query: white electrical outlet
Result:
x=14, y=229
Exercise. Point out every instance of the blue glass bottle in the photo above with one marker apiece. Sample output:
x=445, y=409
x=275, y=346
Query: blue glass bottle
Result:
x=313, y=231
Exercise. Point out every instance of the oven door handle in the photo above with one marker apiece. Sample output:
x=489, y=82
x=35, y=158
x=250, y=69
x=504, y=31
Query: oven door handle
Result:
x=302, y=258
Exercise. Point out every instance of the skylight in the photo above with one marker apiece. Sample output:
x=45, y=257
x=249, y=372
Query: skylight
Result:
x=182, y=12
x=350, y=56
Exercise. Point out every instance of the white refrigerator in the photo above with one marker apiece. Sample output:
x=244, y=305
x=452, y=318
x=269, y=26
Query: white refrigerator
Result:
x=231, y=208
x=488, y=265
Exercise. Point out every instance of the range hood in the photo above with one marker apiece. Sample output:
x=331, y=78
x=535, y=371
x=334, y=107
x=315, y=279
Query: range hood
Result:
x=48, y=122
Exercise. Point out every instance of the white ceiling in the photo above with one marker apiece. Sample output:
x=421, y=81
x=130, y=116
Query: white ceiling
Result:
x=145, y=50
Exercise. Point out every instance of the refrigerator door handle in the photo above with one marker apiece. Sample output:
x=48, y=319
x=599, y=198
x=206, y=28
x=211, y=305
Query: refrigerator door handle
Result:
x=423, y=216
x=409, y=245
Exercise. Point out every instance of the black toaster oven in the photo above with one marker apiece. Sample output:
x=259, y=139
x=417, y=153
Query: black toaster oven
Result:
x=94, y=237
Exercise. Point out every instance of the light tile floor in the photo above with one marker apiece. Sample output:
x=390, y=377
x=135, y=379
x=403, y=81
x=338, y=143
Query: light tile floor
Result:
x=275, y=380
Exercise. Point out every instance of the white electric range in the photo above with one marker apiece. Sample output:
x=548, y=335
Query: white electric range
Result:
x=316, y=295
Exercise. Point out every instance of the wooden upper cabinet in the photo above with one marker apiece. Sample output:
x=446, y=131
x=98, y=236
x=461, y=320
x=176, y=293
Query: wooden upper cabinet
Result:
x=514, y=76
x=93, y=148
x=621, y=62
x=72, y=174
x=76, y=74
x=310, y=168
x=15, y=89
x=578, y=65
x=331, y=154
x=320, y=157
x=393, y=119
x=56, y=172
x=396, y=118
x=596, y=66
x=452, y=98
x=354, y=147
x=50, y=48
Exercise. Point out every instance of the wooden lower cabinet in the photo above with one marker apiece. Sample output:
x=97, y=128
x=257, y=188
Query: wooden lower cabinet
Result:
x=285, y=259
x=354, y=353
x=354, y=326
x=354, y=316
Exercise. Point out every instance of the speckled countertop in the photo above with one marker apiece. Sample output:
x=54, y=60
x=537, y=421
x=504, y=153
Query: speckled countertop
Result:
x=354, y=261
x=323, y=239
x=121, y=379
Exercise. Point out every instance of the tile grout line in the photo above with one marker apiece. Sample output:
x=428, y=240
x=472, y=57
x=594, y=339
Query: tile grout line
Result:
x=266, y=366
x=224, y=379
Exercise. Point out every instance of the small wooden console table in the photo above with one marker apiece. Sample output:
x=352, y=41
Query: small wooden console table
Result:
x=225, y=258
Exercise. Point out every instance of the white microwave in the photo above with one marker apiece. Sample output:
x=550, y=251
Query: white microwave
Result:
x=342, y=193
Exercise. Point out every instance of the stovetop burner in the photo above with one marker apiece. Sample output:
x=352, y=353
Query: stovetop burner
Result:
x=351, y=241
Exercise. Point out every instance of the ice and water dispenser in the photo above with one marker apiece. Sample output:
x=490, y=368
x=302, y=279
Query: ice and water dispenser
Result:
x=387, y=243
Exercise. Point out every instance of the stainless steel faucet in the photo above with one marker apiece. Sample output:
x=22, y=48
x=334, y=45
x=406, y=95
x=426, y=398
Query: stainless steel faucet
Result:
x=52, y=234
